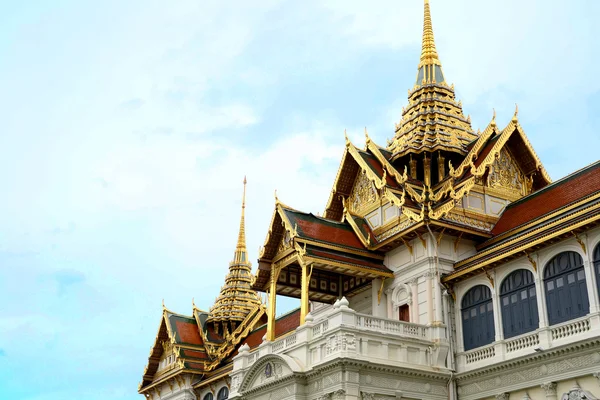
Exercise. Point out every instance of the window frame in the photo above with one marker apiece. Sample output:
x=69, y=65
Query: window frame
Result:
x=483, y=332
x=565, y=299
x=519, y=315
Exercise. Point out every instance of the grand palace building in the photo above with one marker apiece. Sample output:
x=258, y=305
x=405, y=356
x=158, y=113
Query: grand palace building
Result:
x=447, y=265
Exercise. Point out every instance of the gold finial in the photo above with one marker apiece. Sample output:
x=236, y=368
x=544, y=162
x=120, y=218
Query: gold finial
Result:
x=429, y=55
x=163, y=304
x=493, y=117
x=240, y=256
x=276, y=198
x=346, y=137
x=516, y=115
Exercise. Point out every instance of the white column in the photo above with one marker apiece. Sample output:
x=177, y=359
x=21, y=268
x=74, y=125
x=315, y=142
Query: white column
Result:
x=414, y=287
x=439, y=318
x=428, y=280
x=590, y=277
x=545, y=336
x=497, y=316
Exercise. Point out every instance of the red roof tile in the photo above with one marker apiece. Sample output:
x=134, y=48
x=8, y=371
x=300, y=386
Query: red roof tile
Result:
x=188, y=332
x=348, y=259
x=324, y=230
x=561, y=193
x=284, y=324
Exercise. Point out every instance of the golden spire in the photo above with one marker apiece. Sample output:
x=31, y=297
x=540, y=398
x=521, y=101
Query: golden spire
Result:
x=241, y=254
x=428, y=52
x=421, y=129
x=429, y=66
x=236, y=299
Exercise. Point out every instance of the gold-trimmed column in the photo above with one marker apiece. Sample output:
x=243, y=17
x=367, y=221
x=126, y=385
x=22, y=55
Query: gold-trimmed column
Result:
x=304, y=284
x=272, y=303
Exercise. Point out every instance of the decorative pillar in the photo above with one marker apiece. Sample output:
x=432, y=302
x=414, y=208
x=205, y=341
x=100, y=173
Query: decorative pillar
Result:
x=304, y=309
x=412, y=164
x=439, y=318
x=550, y=390
x=414, y=286
x=590, y=274
x=272, y=304
x=545, y=334
x=441, y=167
x=498, y=327
x=427, y=169
x=430, y=317
x=390, y=305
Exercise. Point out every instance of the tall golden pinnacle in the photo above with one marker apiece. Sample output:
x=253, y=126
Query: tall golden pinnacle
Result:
x=429, y=54
x=237, y=299
x=240, y=249
x=430, y=67
x=433, y=121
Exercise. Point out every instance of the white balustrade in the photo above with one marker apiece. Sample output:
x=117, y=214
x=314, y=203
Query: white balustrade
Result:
x=401, y=328
x=570, y=328
x=522, y=342
x=480, y=354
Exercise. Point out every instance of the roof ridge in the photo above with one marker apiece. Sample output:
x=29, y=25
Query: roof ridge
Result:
x=552, y=185
x=315, y=216
x=276, y=319
x=180, y=315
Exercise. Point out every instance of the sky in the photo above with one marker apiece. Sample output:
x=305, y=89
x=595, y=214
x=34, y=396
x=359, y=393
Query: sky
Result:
x=126, y=129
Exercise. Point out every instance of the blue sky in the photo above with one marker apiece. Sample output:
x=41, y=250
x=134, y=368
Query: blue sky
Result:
x=126, y=128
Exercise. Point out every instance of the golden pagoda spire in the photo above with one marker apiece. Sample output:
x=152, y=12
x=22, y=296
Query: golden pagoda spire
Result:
x=434, y=120
x=241, y=253
x=429, y=66
x=237, y=298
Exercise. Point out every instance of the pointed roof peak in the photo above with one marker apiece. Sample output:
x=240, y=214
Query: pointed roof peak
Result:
x=429, y=53
x=241, y=256
x=430, y=70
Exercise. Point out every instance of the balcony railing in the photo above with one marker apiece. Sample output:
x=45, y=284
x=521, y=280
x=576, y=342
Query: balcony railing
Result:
x=539, y=340
x=341, y=332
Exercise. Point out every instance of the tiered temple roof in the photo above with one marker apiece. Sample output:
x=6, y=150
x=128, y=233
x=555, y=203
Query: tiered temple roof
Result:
x=237, y=299
x=423, y=182
x=433, y=119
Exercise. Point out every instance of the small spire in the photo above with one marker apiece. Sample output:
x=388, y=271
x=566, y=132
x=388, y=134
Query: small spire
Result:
x=240, y=250
x=429, y=65
x=515, y=117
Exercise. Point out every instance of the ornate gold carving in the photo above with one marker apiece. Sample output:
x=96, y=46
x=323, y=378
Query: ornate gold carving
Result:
x=505, y=174
x=531, y=261
x=440, y=236
x=581, y=243
x=487, y=274
x=380, y=291
x=469, y=221
x=410, y=249
x=402, y=225
x=423, y=241
x=363, y=194
x=457, y=241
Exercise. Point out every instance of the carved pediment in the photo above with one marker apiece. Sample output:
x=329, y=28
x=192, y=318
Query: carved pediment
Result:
x=363, y=196
x=506, y=177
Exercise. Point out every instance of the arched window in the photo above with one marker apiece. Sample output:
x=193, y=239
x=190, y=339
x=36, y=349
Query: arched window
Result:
x=208, y=396
x=519, y=303
x=566, y=291
x=477, y=317
x=223, y=393
x=597, y=266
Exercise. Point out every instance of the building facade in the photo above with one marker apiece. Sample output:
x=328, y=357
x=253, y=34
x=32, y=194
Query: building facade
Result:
x=447, y=265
